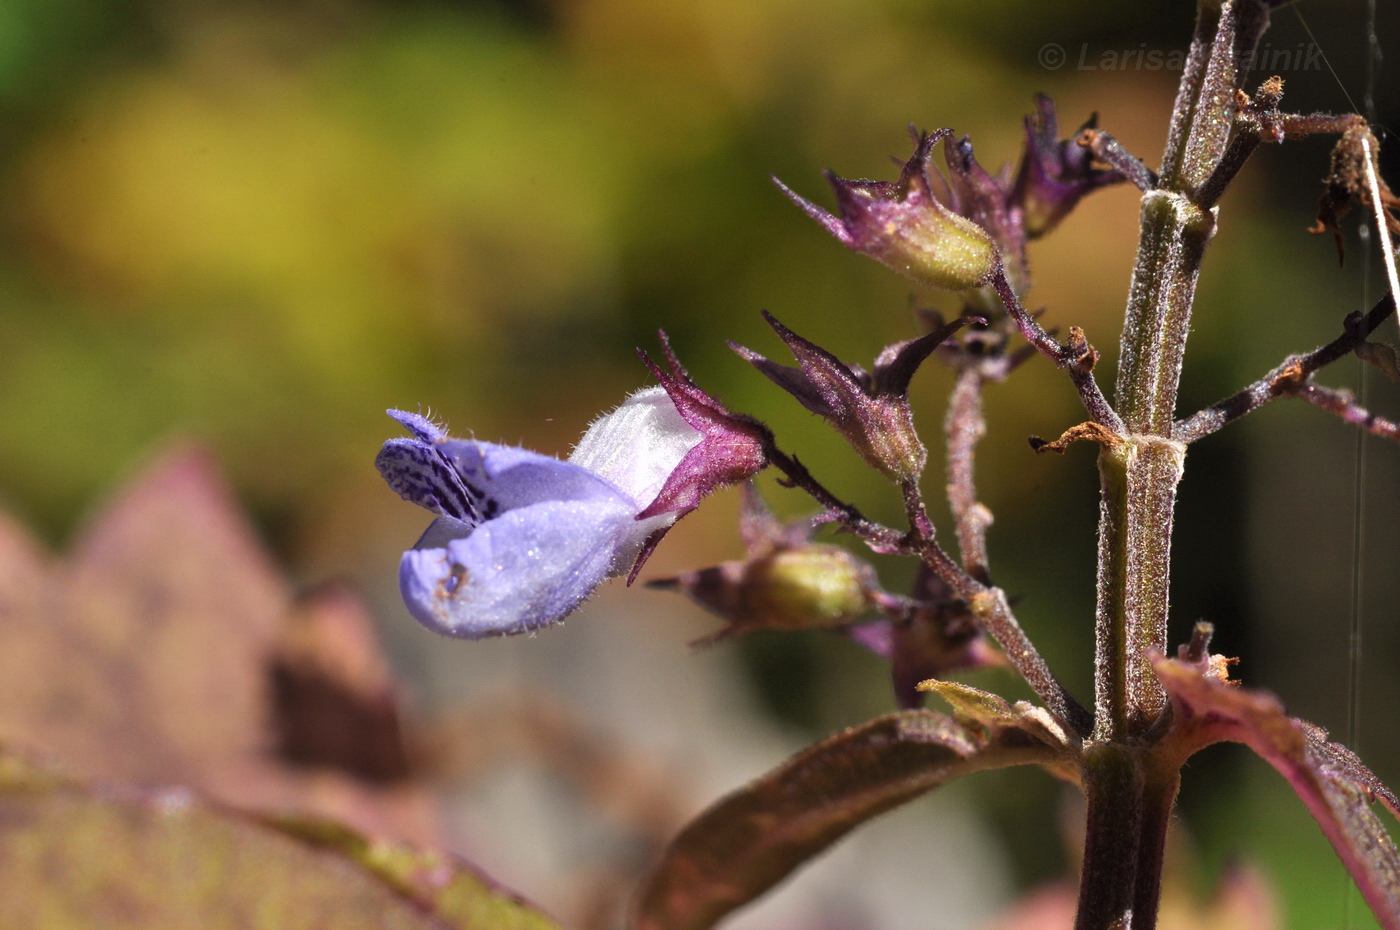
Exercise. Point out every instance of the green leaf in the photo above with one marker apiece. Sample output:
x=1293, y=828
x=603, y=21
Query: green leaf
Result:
x=110, y=859
x=448, y=885
x=754, y=838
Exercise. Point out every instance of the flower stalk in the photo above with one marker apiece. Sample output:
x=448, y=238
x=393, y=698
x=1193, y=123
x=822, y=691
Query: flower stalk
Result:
x=646, y=464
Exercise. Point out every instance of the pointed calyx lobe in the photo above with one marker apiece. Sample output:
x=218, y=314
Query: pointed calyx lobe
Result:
x=870, y=409
x=732, y=448
x=1055, y=173
x=954, y=233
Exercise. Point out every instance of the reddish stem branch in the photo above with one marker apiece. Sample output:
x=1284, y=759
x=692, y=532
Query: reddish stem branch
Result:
x=879, y=537
x=1110, y=151
x=1259, y=121
x=1345, y=406
x=988, y=605
x=1290, y=378
x=1076, y=357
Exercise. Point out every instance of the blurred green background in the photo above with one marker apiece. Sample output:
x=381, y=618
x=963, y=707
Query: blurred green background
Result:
x=261, y=224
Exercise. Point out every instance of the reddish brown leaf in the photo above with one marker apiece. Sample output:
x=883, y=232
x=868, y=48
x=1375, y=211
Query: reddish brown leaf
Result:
x=172, y=611
x=1326, y=776
x=1345, y=765
x=754, y=838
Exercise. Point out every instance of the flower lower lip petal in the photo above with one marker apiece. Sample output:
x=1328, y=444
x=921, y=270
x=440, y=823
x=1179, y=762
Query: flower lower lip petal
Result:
x=526, y=569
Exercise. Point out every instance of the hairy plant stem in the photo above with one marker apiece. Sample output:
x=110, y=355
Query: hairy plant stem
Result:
x=1131, y=794
x=1129, y=803
x=964, y=426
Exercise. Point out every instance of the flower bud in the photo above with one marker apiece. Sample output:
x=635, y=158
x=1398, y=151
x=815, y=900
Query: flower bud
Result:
x=1055, y=173
x=928, y=637
x=903, y=225
x=787, y=582
x=870, y=410
x=798, y=588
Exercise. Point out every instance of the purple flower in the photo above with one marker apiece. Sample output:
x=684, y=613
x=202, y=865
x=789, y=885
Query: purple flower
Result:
x=521, y=539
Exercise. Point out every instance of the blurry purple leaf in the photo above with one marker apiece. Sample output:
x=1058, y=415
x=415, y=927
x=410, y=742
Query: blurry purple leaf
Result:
x=142, y=659
x=147, y=657
x=336, y=704
x=754, y=838
x=1328, y=778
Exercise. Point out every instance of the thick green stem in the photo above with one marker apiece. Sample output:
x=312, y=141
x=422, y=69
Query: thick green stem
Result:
x=1130, y=795
x=1113, y=786
x=1139, y=478
x=1129, y=801
x=1170, y=248
x=1139, y=475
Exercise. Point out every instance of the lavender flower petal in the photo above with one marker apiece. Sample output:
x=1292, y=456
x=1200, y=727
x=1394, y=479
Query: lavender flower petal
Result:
x=648, y=420
x=420, y=426
x=526, y=569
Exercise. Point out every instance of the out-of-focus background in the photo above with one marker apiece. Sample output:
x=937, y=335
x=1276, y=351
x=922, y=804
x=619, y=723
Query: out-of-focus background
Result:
x=260, y=224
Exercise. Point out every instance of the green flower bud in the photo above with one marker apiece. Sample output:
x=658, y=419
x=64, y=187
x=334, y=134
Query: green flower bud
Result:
x=904, y=226
x=797, y=588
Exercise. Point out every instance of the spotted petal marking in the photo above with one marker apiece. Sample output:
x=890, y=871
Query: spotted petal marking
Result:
x=420, y=474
